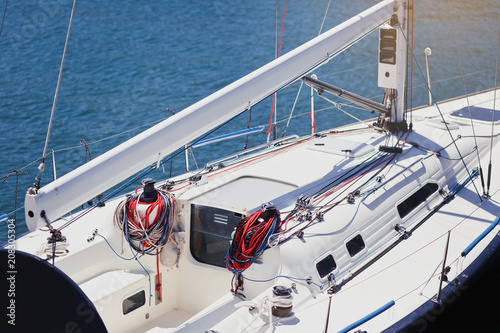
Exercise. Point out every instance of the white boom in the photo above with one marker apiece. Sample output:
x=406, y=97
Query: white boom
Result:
x=112, y=167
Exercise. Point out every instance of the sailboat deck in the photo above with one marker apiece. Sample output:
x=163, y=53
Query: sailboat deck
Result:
x=409, y=276
x=281, y=174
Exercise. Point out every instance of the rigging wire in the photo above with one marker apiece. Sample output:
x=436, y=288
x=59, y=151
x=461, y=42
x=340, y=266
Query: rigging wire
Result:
x=493, y=116
x=273, y=104
x=300, y=88
x=279, y=121
x=453, y=140
x=338, y=106
x=151, y=123
x=293, y=108
x=302, y=211
x=412, y=7
x=3, y=17
x=486, y=70
x=373, y=158
x=324, y=17
x=89, y=143
x=42, y=165
x=140, y=175
x=466, y=95
x=350, y=196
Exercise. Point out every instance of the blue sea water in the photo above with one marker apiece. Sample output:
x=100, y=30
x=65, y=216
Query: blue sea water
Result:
x=128, y=61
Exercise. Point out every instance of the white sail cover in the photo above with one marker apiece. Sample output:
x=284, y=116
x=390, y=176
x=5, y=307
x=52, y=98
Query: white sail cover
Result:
x=112, y=167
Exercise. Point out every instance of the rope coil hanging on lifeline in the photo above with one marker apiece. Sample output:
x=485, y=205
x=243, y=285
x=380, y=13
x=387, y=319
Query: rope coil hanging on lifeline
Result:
x=251, y=238
x=146, y=218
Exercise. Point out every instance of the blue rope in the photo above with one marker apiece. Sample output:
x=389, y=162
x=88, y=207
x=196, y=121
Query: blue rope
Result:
x=134, y=257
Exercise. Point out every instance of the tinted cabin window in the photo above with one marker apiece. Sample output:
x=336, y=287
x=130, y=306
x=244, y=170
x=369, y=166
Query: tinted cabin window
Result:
x=133, y=302
x=211, y=230
x=416, y=199
x=355, y=245
x=326, y=266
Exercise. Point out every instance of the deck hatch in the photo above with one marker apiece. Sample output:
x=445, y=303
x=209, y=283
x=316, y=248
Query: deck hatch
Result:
x=477, y=114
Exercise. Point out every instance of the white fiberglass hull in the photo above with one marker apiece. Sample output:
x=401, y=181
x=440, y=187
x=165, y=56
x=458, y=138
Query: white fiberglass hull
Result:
x=404, y=280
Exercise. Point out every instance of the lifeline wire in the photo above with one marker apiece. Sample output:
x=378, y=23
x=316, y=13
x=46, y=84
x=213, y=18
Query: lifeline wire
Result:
x=17, y=172
x=293, y=108
x=273, y=104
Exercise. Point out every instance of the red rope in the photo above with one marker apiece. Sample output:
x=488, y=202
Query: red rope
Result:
x=145, y=219
x=158, y=286
x=250, y=239
x=180, y=188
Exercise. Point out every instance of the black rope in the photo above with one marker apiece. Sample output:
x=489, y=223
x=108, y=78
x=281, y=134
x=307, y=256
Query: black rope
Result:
x=87, y=149
x=493, y=115
x=349, y=173
x=248, y=126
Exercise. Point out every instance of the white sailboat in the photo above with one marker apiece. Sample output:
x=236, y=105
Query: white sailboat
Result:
x=366, y=227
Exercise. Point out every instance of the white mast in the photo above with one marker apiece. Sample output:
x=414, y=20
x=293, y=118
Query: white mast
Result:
x=401, y=10
x=393, y=63
x=112, y=167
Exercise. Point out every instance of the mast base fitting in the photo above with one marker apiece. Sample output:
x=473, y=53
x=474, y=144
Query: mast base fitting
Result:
x=396, y=127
